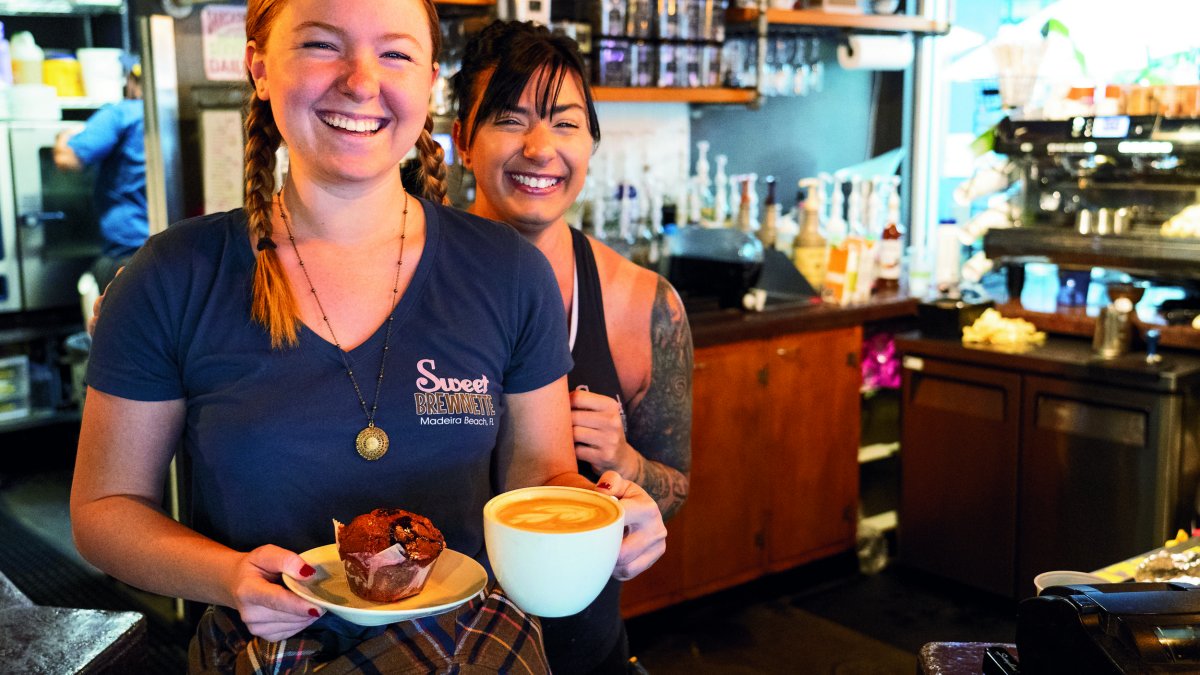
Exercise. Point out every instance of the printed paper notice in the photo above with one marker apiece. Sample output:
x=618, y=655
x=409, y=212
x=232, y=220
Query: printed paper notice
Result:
x=221, y=147
x=223, y=40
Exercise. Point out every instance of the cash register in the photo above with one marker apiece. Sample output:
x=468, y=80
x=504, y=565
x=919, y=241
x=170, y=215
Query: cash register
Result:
x=1111, y=628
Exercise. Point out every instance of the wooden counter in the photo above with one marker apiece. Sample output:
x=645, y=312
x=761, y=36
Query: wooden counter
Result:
x=730, y=325
x=1081, y=322
x=775, y=436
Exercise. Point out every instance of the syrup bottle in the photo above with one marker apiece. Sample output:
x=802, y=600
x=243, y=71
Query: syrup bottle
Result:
x=768, y=233
x=744, y=222
x=891, y=244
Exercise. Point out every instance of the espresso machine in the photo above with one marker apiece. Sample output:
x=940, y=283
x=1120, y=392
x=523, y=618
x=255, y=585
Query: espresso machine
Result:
x=1097, y=191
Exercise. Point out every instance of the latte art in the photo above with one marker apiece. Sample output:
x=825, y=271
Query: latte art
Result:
x=549, y=514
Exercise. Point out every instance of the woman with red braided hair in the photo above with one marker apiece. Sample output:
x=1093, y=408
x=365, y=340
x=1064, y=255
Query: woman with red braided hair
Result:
x=290, y=348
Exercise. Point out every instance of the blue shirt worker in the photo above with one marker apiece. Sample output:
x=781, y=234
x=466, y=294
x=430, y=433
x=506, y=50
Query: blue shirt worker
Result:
x=114, y=140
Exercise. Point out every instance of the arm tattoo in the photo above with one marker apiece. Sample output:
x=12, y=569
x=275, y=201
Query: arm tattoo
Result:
x=660, y=428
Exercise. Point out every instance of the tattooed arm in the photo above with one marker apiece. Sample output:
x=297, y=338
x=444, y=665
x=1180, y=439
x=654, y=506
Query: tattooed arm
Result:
x=654, y=449
x=660, y=427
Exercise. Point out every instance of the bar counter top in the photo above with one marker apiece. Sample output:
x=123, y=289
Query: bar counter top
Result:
x=712, y=327
x=1067, y=357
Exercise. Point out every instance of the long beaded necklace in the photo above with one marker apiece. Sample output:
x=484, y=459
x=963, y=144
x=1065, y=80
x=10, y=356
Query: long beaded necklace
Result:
x=371, y=442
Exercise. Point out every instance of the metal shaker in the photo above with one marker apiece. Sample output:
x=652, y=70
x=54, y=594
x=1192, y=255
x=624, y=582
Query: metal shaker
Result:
x=1114, y=330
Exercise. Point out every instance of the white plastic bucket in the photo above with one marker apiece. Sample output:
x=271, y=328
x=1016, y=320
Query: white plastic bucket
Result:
x=103, y=76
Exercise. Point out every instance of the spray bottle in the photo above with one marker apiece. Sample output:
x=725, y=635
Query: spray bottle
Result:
x=701, y=205
x=753, y=178
x=835, y=228
x=720, y=198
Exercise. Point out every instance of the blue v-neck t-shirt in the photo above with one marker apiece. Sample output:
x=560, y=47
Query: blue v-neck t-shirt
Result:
x=270, y=433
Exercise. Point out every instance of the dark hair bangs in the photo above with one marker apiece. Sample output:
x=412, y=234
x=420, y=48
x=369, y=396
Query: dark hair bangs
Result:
x=512, y=74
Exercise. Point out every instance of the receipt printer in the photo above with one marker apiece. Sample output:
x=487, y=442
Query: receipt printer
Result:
x=1111, y=628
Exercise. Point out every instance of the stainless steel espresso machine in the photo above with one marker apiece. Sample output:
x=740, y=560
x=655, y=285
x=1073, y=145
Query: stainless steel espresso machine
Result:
x=1096, y=192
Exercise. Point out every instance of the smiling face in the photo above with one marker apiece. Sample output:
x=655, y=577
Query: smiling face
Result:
x=348, y=83
x=529, y=168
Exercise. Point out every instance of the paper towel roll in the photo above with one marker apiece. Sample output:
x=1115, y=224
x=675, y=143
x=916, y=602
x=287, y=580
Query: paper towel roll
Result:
x=947, y=268
x=876, y=52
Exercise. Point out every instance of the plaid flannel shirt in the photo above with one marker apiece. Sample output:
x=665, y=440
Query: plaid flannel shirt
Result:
x=487, y=634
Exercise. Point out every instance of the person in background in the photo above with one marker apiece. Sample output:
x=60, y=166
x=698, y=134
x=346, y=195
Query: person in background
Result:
x=526, y=127
x=264, y=339
x=114, y=140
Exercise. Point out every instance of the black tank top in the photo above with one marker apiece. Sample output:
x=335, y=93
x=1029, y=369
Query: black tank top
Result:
x=594, y=368
x=592, y=641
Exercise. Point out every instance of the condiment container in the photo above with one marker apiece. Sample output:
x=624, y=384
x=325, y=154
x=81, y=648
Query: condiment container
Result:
x=27, y=59
x=64, y=74
x=34, y=102
x=5, y=59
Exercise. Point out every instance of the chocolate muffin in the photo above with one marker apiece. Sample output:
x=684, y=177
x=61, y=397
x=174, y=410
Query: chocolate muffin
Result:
x=388, y=553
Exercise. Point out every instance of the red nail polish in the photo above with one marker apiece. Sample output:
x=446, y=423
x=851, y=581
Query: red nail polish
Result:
x=307, y=571
x=604, y=486
x=313, y=612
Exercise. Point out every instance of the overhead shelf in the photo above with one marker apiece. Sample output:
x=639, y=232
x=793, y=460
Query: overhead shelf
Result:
x=883, y=23
x=59, y=7
x=674, y=95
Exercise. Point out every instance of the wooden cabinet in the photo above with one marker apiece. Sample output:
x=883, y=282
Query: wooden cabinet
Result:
x=774, y=478
x=814, y=410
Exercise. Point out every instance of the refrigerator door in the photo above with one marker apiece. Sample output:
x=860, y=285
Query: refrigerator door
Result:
x=10, y=267
x=958, y=472
x=1100, y=475
x=57, y=229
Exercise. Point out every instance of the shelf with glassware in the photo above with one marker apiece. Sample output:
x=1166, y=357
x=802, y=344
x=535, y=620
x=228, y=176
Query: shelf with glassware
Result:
x=754, y=78
x=882, y=23
x=60, y=7
x=704, y=95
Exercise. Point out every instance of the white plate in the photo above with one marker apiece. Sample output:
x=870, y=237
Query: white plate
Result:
x=455, y=579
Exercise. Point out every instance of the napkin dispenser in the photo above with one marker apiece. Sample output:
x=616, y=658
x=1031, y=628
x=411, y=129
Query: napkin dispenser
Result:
x=1111, y=628
x=946, y=317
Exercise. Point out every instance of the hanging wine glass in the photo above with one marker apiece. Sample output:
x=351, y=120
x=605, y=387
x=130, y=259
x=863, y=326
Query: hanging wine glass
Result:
x=817, y=68
x=770, y=67
x=785, y=48
x=803, y=72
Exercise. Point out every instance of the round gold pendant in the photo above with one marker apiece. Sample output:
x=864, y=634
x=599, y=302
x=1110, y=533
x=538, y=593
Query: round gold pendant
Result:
x=372, y=443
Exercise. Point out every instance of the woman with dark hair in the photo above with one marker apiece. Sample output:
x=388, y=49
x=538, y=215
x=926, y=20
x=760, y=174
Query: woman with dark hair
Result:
x=281, y=346
x=526, y=127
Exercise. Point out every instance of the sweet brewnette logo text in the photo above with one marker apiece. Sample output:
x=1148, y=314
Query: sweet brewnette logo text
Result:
x=452, y=400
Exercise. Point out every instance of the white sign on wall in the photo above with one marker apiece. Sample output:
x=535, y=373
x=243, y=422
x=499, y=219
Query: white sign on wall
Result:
x=221, y=153
x=223, y=40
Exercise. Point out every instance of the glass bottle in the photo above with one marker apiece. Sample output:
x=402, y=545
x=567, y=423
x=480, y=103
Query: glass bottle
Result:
x=891, y=244
x=767, y=233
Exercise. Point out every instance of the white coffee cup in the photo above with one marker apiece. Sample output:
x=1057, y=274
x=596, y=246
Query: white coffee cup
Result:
x=1065, y=578
x=553, y=548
